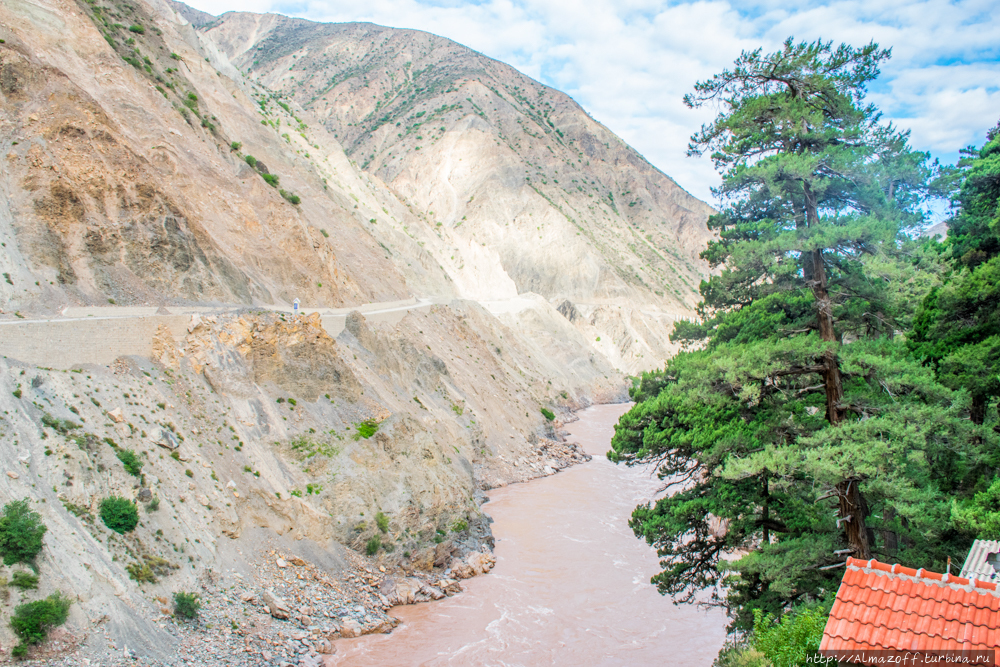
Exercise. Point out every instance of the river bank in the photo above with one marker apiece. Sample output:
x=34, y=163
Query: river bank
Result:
x=571, y=583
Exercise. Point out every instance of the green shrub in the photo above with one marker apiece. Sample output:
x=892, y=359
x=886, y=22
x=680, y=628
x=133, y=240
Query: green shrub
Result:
x=459, y=526
x=186, y=605
x=189, y=472
x=548, y=414
x=366, y=429
x=24, y=580
x=373, y=545
x=130, y=460
x=21, y=532
x=251, y=160
x=17, y=393
x=787, y=642
x=382, y=521
x=270, y=179
x=291, y=197
x=62, y=426
x=31, y=621
x=741, y=656
x=141, y=572
x=119, y=514
x=235, y=146
x=137, y=29
x=153, y=504
x=325, y=233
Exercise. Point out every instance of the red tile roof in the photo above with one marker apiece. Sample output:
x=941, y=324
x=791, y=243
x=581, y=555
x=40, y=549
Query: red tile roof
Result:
x=881, y=606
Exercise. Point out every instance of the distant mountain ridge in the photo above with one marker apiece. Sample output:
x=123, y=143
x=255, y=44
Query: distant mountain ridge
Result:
x=408, y=105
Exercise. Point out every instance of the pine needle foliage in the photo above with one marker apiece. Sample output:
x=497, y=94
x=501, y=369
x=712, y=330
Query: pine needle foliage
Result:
x=799, y=427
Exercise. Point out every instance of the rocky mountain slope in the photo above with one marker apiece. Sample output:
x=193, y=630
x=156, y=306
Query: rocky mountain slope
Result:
x=148, y=161
x=517, y=189
x=259, y=434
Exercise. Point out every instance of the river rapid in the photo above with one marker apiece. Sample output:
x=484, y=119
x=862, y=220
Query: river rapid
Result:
x=570, y=587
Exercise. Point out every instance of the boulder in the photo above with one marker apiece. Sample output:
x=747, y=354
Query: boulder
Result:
x=433, y=592
x=461, y=570
x=379, y=627
x=350, y=628
x=116, y=415
x=401, y=591
x=481, y=562
x=278, y=607
x=145, y=495
x=442, y=553
x=388, y=589
x=165, y=438
x=423, y=559
x=449, y=586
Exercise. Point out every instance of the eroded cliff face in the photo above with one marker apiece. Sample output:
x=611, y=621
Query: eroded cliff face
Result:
x=142, y=165
x=254, y=425
x=121, y=181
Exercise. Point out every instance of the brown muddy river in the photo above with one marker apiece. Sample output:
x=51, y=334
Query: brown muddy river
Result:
x=570, y=587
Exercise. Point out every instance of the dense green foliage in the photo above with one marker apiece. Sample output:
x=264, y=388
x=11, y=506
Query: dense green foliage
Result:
x=24, y=580
x=32, y=621
x=784, y=642
x=186, y=605
x=365, y=429
x=119, y=514
x=802, y=427
x=21, y=532
x=958, y=326
x=130, y=461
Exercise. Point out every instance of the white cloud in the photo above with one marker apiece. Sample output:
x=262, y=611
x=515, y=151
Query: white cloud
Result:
x=629, y=62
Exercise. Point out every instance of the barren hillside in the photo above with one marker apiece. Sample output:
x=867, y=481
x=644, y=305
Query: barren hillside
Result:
x=156, y=156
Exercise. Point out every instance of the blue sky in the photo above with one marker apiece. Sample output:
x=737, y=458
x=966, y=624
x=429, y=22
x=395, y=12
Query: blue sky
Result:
x=629, y=62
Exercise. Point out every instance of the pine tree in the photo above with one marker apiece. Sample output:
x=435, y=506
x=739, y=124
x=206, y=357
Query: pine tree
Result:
x=801, y=393
x=958, y=327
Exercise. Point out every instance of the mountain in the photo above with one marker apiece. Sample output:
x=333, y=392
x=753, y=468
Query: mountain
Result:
x=517, y=189
x=169, y=190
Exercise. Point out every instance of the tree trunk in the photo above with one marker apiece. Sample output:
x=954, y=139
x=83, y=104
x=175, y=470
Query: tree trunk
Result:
x=853, y=512
x=978, y=411
x=765, y=513
x=888, y=535
x=853, y=508
x=824, y=319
